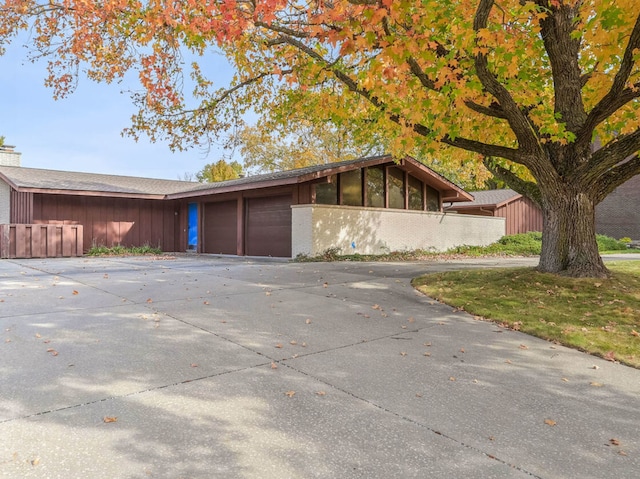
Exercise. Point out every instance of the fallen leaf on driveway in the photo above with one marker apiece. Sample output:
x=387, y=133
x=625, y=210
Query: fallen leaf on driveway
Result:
x=308, y=321
x=523, y=346
x=550, y=422
x=279, y=346
x=274, y=365
x=149, y=300
x=290, y=393
x=108, y=419
x=614, y=442
x=321, y=393
x=595, y=384
x=75, y=292
x=52, y=351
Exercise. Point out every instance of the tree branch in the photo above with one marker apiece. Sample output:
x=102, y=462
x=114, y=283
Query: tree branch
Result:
x=524, y=131
x=527, y=189
x=612, y=154
x=617, y=176
x=619, y=94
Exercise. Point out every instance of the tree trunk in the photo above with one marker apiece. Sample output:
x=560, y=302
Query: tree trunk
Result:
x=569, y=244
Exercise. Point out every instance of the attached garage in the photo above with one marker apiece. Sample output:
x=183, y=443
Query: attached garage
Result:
x=268, y=226
x=220, y=227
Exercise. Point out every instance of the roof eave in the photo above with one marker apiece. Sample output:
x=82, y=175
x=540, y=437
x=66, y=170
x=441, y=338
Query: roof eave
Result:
x=233, y=188
x=110, y=194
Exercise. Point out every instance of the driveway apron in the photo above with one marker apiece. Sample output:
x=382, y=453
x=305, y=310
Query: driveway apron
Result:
x=203, y=367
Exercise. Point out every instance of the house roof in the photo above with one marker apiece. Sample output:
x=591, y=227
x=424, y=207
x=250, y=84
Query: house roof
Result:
x=451, y=191
x=70, y=182
x=93, y=184
x=489, y=199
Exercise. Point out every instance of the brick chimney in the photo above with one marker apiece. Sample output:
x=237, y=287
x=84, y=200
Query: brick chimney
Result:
x=9, y=157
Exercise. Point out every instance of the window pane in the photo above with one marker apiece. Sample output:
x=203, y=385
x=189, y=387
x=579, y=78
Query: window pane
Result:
x=396, y=188
x=375, y=187
x=415, y=193
x=327, y=193
x=351, y=188
x=433, y=199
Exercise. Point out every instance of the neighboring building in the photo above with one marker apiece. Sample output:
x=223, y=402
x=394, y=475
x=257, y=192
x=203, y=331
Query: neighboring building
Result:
x=520, y=213
x=369, y=205
x=618, y=215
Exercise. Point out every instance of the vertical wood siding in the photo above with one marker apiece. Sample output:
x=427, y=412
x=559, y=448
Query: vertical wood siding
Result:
x=21, y=207
x=114, y=221
x=521, y=215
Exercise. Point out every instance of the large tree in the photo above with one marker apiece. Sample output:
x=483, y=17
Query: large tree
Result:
x=219, y=171
x=548, y=86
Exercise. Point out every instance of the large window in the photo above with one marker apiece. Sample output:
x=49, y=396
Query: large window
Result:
x=378, y=187
x=416, y=199
x=351, y=188
x=395, y=179
x=327, y=193
x=375, y=187
x=433, y=199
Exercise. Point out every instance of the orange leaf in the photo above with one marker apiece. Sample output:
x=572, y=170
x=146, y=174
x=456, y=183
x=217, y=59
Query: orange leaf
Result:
x=279, y=346
x=614, y=442
x=75, y=292
x=274, y=365
x=109, y=419
x=290, y=393
x=550, y=422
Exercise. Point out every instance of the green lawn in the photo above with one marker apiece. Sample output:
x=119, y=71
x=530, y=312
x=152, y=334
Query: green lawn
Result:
x=599, y=316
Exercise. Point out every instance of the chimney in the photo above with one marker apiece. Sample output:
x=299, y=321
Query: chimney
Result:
x=9, y=157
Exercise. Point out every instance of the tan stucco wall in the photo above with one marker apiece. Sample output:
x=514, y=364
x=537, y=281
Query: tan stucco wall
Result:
x=316, y=228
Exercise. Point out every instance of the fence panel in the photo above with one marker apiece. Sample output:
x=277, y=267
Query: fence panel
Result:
x=40, y=241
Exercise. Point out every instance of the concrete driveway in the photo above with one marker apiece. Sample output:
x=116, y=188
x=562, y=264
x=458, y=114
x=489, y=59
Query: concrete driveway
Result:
x=205, y=367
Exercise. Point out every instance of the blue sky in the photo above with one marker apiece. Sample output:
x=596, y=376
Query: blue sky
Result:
x=83, y=132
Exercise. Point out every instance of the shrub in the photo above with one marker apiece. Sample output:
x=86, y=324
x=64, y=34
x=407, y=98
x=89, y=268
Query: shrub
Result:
x=119, y=250
x=606, y=243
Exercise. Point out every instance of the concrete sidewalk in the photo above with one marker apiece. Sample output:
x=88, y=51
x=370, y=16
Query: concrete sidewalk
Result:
x=210, y=367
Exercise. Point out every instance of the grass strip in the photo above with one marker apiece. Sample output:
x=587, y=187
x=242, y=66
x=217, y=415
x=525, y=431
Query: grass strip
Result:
x=598, y=316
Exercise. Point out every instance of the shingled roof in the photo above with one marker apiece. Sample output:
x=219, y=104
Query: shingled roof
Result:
x=309, y=173
x=67, y=182
x=490, y=198
x=70, y=182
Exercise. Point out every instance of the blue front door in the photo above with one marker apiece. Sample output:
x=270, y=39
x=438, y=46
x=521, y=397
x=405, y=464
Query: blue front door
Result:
x=193, y=226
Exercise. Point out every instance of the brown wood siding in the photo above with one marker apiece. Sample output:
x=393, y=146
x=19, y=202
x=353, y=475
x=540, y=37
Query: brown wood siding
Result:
x=521, y=215
x=21, y=207
x=220, y=229
x=268, y=226
x=111, y=221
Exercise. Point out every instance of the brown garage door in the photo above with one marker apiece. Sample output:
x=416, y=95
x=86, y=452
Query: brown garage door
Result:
x=221, y=227
x=268, y=226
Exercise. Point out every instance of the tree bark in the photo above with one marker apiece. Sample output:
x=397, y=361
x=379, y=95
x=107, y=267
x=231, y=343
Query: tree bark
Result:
x=569, y=244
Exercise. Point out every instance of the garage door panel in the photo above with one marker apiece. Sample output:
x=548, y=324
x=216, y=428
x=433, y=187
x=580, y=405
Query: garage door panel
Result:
x=221, y=227
x=268, y=226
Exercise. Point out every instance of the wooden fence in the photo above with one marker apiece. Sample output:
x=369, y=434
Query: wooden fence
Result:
x=40, y=241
